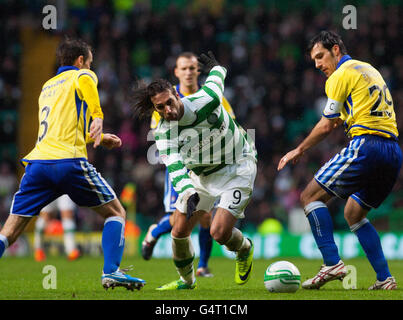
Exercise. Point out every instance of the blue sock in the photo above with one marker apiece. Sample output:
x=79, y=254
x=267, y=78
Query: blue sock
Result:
x=162, y=227
x=322, y=229
x=206, y=244
x=3, y=244
x=113, y=242
x=370, y=242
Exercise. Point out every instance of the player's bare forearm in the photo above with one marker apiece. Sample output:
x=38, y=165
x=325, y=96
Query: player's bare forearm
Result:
x=96, y=131
x=111, y=141
x=318, y=133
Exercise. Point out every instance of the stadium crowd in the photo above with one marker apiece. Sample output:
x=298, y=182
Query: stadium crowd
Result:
x=272, y=85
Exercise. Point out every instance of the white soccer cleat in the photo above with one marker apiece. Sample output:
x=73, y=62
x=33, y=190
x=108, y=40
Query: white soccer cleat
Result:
x=387, y=284
x=326, y=274
x=119, y=278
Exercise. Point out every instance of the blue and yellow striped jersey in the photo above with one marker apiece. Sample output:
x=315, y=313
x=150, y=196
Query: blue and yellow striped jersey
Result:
x=155, y=118
x=66, y=104
x=358, y=95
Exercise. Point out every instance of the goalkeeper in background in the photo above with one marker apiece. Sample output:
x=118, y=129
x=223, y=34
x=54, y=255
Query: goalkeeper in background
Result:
x=58, y=163
x=208, y=158
x=186, y=70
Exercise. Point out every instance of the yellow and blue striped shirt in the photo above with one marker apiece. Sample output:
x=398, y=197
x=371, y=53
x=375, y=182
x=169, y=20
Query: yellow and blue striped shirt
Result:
x=358, y=95
x=66, y=104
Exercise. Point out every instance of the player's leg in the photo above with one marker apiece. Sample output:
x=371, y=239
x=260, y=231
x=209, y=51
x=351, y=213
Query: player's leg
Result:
x=67, y=207
x=183, y=251
x=224, y=232
x=86, y=187
x=313, y=200
x=40, y=225
x=369, y=239
x=165, y=224
x=205, y=244
x=34, y=194
x=382, y=158
x=12, y=229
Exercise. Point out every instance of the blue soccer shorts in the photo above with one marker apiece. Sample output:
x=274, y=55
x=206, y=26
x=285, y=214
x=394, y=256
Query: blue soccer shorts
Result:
x=366, y=170
x=45, y=181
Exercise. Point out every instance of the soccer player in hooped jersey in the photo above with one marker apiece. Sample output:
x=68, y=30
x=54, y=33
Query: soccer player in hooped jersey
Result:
x=58, y=163
x=186, y=70
x=208, y=157
x=364, y=172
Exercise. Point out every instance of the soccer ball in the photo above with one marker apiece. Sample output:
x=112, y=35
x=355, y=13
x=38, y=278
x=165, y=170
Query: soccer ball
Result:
x=282, y=276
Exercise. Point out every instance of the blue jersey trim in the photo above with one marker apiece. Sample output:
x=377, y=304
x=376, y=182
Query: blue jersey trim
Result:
x=51, y=160
x=85, y=107
x=54, y=160
x=331, y=116
x=343, y=59
x=87, y=74
x=364, y=127
x=66, y=68
x=78, y=105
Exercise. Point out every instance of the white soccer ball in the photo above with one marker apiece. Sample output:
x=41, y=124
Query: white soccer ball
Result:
x=282, y=276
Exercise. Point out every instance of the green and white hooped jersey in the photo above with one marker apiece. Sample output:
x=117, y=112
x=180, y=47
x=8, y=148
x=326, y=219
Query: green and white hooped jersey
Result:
x=205, y=139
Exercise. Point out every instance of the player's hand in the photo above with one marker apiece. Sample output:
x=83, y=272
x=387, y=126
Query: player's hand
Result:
x=192, y=204
x=293, y=155
x=96, y=131
x=111, y=141
x=207, y=62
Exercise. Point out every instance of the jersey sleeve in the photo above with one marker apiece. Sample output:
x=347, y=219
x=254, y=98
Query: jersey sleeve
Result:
x=86, y=84
x=337, y=91
x=214, y=85
x=169, y=153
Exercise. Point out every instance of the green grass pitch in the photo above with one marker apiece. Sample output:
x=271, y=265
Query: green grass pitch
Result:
x=22, y=279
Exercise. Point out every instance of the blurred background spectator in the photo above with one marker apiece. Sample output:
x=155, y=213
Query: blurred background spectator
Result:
x=272, y=85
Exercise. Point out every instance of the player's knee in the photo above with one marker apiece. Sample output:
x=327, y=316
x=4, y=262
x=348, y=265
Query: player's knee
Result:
x=219, y=234
x=305, y=198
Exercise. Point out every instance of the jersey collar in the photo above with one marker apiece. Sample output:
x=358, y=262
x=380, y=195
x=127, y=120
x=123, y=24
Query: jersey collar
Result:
x=178, y=90
x=343, y=59
x=65, y=68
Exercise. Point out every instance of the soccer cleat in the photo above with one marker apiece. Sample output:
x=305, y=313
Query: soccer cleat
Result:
x=326, y=274
x=244, y=265
x=120, y=279
x=73, y=255
x=204, y=272
x=148, y=244
x=39, y=255
x=388, y=284
x=177, y=285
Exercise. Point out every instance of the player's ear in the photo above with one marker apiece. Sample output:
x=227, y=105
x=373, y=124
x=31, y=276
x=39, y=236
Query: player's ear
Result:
x=176, y=71
x=79, y=62
x=336, y=50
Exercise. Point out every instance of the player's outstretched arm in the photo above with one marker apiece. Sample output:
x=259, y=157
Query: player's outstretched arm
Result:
x=318, y=133
x=96, y=131
x=111, y=141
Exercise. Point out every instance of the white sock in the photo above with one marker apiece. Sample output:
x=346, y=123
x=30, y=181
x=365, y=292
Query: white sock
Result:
x=237, y=242
x=183, y=255
x=69, y=229
x=38, y=234
x=4, y=240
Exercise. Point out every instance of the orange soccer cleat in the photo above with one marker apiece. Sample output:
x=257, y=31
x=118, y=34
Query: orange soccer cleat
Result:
x=73, y=255
x=39, y=255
